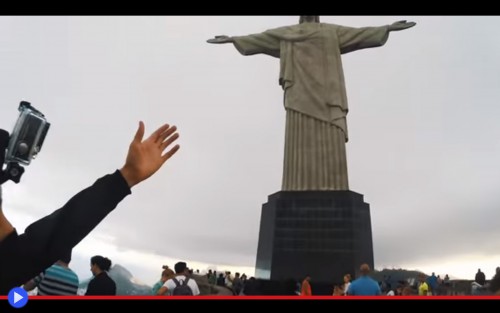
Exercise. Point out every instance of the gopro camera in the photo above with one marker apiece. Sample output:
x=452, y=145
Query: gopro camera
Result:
x=28, y=135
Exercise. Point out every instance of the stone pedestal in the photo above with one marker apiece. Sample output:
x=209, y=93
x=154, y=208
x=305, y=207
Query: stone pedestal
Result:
x=322, y=234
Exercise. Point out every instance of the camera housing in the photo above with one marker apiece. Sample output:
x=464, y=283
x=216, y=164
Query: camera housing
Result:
x=29, y=133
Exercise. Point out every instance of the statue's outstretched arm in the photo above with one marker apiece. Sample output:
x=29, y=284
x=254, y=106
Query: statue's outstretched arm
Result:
x=401, y=25
x=220, y=39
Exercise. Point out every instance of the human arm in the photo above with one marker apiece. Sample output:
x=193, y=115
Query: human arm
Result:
x=156, y=287
x=161, y=291
x=47, y=239
x=160, y=287
x=33, y=283
x=146, y=157
x=6, y=227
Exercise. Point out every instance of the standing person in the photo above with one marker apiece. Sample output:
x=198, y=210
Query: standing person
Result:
x=423, y=287
x=221, y=281
x=305, y=289
x=158, y=288
x=347, y=283
x=251, y=287
x=495, y=282
x=182, y=284
x=228, y=280
x=237, y=284
x=446, y=280
x=480, y=277
x=315, y=99
x=212, y=277
x=57, y=280
x=364, y=285
x=101, y=284
x=432, y=284
x=46, y=240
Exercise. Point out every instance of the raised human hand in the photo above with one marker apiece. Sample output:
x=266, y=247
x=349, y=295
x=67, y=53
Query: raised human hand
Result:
x=146, y=157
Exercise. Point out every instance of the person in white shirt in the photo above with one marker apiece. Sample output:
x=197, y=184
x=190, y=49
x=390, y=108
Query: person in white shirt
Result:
x=181, y=275
x=347, y=282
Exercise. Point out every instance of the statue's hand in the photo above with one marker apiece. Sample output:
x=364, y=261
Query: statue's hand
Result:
x=400, y=25
x=220, y=39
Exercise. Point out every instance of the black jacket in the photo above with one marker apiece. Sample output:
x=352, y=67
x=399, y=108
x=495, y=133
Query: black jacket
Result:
x=101, y=285
x=23, y=257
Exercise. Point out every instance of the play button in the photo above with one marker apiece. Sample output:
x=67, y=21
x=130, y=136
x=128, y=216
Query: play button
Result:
x=18, y=297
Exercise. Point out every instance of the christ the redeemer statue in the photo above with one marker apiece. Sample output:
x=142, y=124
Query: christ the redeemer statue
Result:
x=312, y=78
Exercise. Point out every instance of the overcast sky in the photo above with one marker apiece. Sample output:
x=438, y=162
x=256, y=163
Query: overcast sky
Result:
x=424, y=135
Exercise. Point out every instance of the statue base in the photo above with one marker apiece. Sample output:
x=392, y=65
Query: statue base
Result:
x=321, y=234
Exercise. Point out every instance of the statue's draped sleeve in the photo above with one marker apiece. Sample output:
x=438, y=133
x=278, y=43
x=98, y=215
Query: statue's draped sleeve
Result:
x=258, y=43
x=352, y=39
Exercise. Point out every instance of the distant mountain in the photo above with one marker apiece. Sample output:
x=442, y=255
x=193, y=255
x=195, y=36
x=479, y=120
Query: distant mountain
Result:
x=126, y=284
x=402, y=274
x=396, y=275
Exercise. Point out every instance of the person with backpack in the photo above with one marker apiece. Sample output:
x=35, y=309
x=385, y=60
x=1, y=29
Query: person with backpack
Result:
x=182, y=284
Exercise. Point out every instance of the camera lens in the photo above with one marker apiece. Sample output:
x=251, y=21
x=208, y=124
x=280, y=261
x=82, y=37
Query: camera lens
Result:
x=22, y=148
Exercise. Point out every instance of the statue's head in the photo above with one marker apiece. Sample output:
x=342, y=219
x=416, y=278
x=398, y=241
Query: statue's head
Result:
x=309, y=19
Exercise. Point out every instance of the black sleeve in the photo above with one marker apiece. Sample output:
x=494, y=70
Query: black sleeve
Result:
x=91, y=288
x=101, y=285
x=46, y=240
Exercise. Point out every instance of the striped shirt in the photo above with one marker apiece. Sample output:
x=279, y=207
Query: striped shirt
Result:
x=57, y=281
